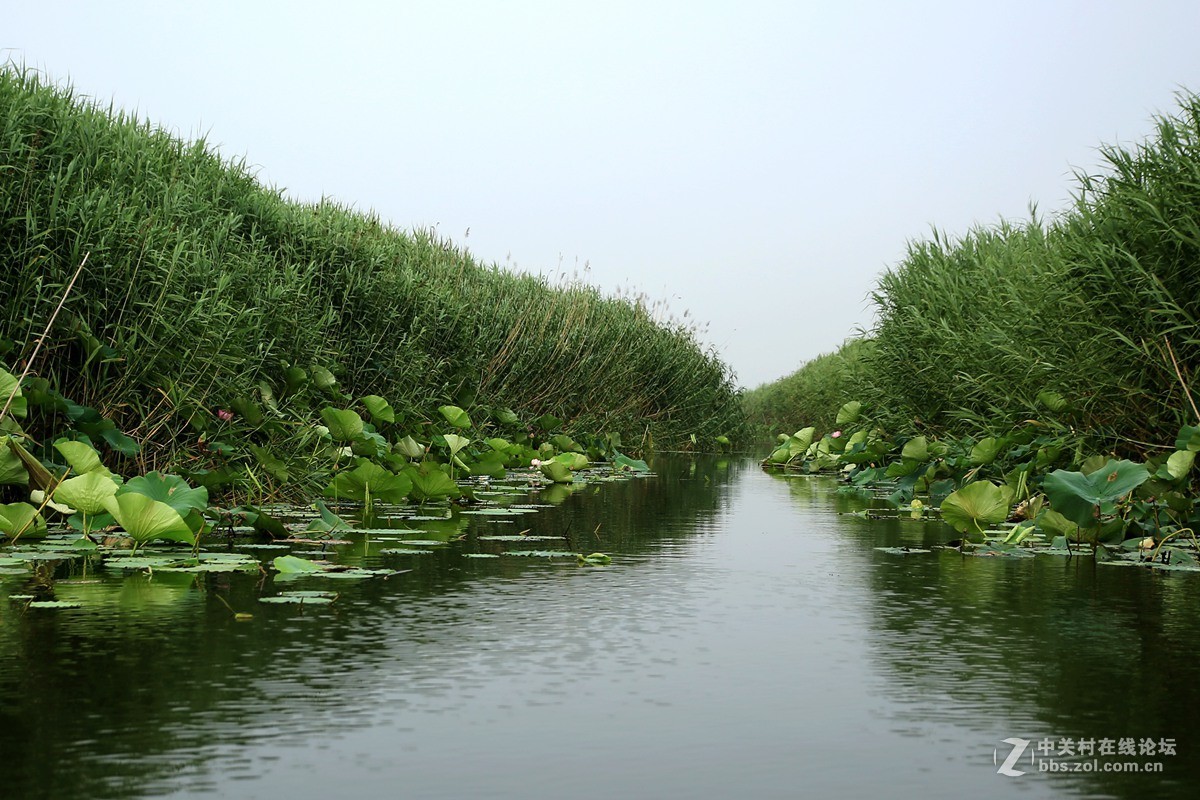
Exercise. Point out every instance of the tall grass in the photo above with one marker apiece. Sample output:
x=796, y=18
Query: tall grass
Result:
x=202, y=283
x=1091, y=305
x=812, y=394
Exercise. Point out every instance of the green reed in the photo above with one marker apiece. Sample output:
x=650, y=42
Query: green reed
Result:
x=1091, y=305
x=203, y=284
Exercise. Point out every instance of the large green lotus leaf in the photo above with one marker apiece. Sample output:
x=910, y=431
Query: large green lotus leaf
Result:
x=1178, y=465
x=38, y=477
x=1053, y=401
x=327, y=522
x=1189, y=438
x=902, y=468
x=380, y=409
x=171, y=490
x=917, y=449
x=324, y=379
x=9, y=385
x=572, y=461
x=975, y=507
x=986, y=450
x=81, y=457
x=369, y=479
x=430, y=483
x=1078, y=497
x=506, y=416
x=1056, y=524
x=564, y=443
x=800, y=441
x=118, y=441
x=11, y=468
x=548, y=422
x=87, y=492
x=145, y=519
x=781, y=455
x=456, y=443
x=498, y=444
x=455, y=416
x=624, y=462
x=344, y=425
x=294, y=378
x=410, y=447
x=491, y=464
x=849, y=413
x=21, y=519
x=294, y=565
x=556, y=471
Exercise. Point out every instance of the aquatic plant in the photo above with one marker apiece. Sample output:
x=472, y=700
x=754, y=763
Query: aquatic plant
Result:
x=214, y=313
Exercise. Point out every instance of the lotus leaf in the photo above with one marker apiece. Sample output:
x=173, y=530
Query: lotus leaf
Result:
x=1079, y=497
x=10, y=386
x=344, y=425
x=455, y=416
x=369, y=480
x=849, y=413
x=323, y=379
x=976, y=506
x=986, y=451
x=86, y=493
x=81, y=457
x=557, y=471
x=430, y=483
x=380, y=409
x=916, y=449
x=146, y=519
x=21, y=519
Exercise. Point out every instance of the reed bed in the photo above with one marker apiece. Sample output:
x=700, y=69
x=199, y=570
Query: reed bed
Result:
x=1097, y=307
x=203, y=286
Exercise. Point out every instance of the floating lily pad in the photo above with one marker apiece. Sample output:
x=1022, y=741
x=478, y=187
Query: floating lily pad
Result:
x=144, y=562
x=45, y=555
x=291, y=564
x=987, y=551
x=521, y=538
x=422, y=542
x=404, y=551
x=302, y=598
x=54, y=604
x=499, y=512
x=902, y=551
x=215, y=566
x=480, y=555
x=541, y=553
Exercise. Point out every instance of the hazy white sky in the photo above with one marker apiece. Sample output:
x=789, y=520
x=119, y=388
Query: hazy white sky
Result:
x=755, y=164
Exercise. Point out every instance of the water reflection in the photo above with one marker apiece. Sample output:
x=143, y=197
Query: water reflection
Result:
x=747, y=641
x=984, y=649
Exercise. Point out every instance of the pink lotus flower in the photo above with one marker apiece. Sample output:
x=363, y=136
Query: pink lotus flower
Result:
x=535, y=463
x=225, y=415
x=835, y=435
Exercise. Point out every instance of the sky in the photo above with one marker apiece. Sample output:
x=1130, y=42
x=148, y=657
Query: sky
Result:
x=754, y=165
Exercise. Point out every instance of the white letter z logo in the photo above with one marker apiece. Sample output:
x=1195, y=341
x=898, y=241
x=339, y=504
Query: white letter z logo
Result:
x=1018, y=749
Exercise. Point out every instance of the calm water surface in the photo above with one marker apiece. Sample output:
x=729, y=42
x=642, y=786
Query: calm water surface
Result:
x=748, y=641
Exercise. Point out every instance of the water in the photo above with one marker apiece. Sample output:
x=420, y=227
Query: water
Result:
x=747, y=641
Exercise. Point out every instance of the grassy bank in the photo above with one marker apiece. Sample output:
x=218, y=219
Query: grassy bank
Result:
x=1088, y=320
x=206, y=291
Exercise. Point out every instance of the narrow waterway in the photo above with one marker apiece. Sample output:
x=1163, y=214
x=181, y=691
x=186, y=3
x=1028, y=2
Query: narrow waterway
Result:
x=748, y=640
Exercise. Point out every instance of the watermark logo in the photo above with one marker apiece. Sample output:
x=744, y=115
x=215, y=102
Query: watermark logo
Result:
x=1066, y=754
x=1018, y=750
